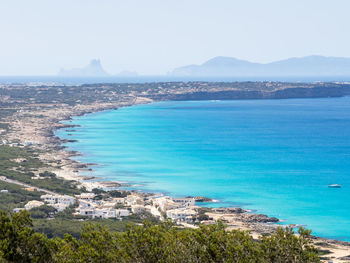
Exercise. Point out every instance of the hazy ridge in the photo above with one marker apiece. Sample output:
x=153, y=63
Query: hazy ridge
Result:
x=303, y=66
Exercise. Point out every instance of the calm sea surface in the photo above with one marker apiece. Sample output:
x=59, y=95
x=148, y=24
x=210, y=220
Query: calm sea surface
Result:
x=273, y=156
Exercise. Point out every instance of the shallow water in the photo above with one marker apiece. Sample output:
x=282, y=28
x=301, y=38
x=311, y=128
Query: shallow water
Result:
x=275, y=156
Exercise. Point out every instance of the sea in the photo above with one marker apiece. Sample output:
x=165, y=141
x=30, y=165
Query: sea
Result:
x=61, y=80
x=274, y=157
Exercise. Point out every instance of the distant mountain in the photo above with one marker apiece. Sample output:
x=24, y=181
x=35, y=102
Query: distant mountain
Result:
x=232, y=67
x=94, y=69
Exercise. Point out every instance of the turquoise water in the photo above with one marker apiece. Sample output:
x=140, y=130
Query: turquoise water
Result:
x=273, y=156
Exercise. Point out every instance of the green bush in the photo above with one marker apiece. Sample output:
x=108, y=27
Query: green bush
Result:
x=19, y=242
x=149, y=243
x=16, y=196
x=115, y=193
x=43, y=211
x=23, y=171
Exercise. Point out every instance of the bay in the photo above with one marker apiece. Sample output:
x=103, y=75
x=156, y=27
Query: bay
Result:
x=273, y=156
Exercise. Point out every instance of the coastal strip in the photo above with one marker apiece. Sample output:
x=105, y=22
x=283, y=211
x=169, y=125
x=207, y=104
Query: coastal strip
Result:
x=32, y=124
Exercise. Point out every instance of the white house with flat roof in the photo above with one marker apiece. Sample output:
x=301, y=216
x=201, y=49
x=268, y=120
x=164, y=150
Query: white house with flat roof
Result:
x=185, y=201
x=65, y=200
x=86, y=196
x=32, y=204
x=122, y=212
x=58, y=207
x=86, y=204
x=133, y=200
x=181, y=214
x=136, y=209
x=119, y=200
x=86, y=211
x=165, y=203
x=103, y=212
x=17, y=210
x=60, y=202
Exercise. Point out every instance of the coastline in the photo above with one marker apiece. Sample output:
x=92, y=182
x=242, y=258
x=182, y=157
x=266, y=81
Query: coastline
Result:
x=41, y=132
x=256, y=226
x=71, y=169
x=339, y=249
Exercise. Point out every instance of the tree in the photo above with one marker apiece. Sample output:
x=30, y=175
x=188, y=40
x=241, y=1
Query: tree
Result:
x=19, y=242
x=148, y=243
x=98, y=191
x=47, y=174
x=43, y=211
x=285, y=246
x=96, y=244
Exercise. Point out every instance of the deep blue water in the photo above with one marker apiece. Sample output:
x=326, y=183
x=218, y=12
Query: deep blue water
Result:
x=275, y=156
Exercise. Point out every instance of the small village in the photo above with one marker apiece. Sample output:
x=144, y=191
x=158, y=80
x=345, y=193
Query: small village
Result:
x=179, y=210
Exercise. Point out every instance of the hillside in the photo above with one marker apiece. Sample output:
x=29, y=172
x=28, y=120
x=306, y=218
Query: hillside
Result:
x=94, y=69
x=305, y=66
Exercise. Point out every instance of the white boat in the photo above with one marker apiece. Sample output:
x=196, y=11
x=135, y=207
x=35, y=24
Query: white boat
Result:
x=334, y=186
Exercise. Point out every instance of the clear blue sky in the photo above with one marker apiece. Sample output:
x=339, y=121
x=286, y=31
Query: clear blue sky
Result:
x=38, y=37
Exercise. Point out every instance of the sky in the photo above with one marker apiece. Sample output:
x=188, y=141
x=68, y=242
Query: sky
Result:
x=38, y=37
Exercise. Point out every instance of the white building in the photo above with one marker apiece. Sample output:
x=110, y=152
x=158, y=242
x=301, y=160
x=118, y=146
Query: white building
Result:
x=134, y=200
x=103, y=212
x=58, y=199
x=122, y=212
x=136, y=209
x=119, y=200
x=65, y=200
x=155, y=212
x=17, y=210
x=86, y=211
x=160, y=202
x=165, y=203
x=85, y=204
x=58, y=207
x=107, y=204
x=49, y=199
x=60, y=202
x=181, y=215
x=86, y=196
x=32, y=204
x=185, y=202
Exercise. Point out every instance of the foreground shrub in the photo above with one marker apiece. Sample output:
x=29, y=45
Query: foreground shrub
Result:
x=19, y=242
x=150, y=243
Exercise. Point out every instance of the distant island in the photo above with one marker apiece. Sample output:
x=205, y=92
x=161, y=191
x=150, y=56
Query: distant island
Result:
x=314, y=66
x=228, y=67
x=94, y=69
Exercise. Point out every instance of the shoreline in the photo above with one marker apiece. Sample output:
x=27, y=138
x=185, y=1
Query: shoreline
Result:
x=122, y=183
x=255, y=228
x=72, y=170
x=52, y=151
